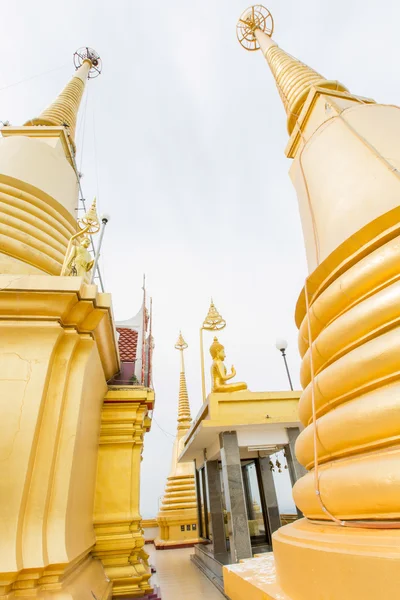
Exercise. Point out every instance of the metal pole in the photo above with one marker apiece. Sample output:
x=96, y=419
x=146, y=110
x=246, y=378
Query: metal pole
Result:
x=287, y=369
x=104, y=221
x=82, y=199
x=203, y=379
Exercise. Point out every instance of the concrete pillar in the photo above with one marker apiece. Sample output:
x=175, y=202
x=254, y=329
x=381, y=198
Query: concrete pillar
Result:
x=216, y=509
x=198, y=498
x=296, y=470
x=267, y=481
x=239, y=536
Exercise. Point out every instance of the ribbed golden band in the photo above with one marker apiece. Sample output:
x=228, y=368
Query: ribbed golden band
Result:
x=355, y=325
x=64, y=110
x=31, y=230
x=294, y=80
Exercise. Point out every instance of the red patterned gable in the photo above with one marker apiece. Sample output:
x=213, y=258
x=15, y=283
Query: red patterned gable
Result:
x=127, y=344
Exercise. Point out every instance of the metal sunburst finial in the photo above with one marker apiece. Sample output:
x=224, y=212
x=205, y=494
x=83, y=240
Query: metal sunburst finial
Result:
x=85, y=53
x=255, y=17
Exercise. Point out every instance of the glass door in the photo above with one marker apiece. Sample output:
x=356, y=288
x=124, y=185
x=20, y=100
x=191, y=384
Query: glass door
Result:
x=255, y=503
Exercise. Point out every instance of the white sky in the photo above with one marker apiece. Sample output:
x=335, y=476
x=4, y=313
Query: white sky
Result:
x=182, y=142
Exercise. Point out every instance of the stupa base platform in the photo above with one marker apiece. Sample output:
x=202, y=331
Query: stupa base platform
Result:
x=308, y=558
x=175, y=544
x=253, y=579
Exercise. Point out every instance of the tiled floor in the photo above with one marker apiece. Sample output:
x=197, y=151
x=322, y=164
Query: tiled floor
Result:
x=178, y=578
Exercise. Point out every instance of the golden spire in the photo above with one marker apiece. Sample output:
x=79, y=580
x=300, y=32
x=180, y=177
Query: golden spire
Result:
x=64, y=110
x=184, y=417
x=213, y=320
x=293, y=78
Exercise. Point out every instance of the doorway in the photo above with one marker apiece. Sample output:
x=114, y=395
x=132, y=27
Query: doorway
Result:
x=255, y=504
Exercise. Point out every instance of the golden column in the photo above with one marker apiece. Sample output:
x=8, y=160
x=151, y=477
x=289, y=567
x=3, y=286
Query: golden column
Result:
x=177, y=518
x=346, y=171
x=117, y=519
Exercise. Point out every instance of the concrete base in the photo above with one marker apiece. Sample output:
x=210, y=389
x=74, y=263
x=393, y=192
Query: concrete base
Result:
x=210, y=566
x=320, y=561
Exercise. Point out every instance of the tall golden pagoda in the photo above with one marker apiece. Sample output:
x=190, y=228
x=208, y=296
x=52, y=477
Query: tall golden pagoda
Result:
x=177, y=519
x=346, y=172
x=69, y=520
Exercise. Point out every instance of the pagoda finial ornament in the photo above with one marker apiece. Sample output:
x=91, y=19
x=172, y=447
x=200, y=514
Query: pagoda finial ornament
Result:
x=184, y=417
x=64, y=110
x=213, y=320
x=293, y=78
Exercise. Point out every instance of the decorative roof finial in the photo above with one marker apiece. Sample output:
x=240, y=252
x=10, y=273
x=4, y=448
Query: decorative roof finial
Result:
x=213, y=320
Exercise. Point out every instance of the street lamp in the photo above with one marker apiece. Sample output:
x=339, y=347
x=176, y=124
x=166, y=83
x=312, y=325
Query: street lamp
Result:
x=282, y=344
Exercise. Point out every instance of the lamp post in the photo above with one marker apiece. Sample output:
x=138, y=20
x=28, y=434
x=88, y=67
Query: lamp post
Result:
x=282, y=345
x=104, y=221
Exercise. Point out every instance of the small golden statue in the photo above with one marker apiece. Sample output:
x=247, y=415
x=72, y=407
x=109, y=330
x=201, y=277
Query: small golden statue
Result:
x=79, y=262
x=219, y=375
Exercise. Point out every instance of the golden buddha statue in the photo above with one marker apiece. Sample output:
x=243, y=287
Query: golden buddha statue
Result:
x=79, y=261
x=219, y=375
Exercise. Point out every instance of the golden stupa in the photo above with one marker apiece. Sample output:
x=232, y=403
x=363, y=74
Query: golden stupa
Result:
x=177, y=518
x=70, y=526
x=345, y=156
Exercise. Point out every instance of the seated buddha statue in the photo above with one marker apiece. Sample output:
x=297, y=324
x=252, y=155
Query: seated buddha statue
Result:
x=219, y=375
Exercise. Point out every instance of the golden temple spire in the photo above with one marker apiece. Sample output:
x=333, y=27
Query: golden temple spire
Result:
x=184, y=417
x=293, y=78
x=64, y=110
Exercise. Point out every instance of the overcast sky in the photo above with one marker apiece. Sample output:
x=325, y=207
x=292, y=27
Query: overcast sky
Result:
x=182, y=139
